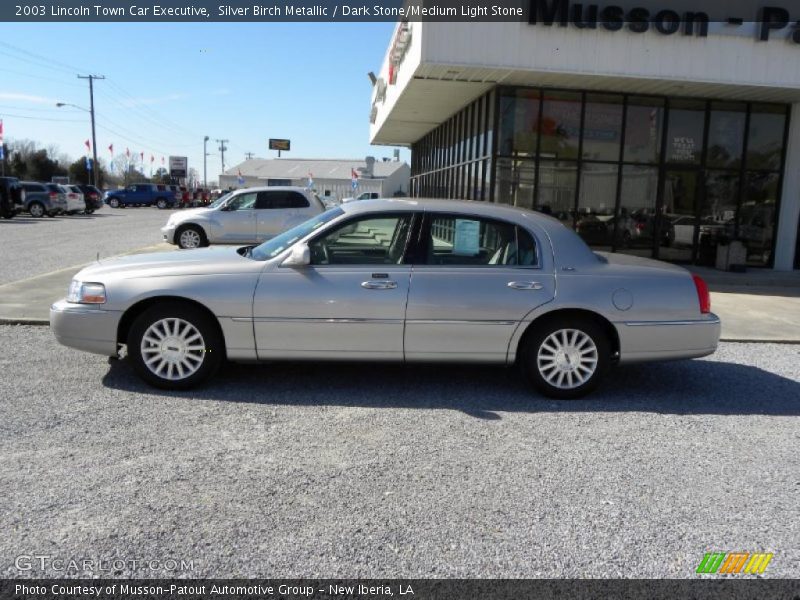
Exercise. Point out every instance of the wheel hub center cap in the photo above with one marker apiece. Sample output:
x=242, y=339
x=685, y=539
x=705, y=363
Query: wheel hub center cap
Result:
x=173, y=348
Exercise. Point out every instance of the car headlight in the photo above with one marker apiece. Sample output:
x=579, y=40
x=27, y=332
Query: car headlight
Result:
x=86, y=293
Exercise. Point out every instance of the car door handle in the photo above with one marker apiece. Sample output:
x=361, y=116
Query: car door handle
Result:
x=525, y=285
x=379, y=285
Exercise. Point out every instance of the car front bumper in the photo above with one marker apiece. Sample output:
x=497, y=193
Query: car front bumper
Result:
x=642, y=341
x=168, y=233
x=85, y=327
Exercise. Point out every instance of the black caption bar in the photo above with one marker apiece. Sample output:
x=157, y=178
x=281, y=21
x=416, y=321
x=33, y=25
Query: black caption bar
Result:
x=407, y=589
x=560, y=12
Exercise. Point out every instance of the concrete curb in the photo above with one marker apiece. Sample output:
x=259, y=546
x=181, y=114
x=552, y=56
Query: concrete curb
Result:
x=24, y=321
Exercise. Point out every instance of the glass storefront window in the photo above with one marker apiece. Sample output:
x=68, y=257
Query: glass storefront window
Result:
x=726, y=135
x=598, y=195
x=685, y=133
x=519, y=110
x=757, y=216
x=557, y=186
x=765, y=141
x=635, y=224
x=560, y=127
x=515, y=182
x=643, y=130
x=602, y=129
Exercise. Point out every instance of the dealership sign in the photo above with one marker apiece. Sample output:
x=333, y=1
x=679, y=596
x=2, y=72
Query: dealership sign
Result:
x=280, y=145
x=178, y=167
x=771, y=20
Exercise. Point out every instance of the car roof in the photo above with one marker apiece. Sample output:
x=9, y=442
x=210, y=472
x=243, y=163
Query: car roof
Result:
x=271, y=188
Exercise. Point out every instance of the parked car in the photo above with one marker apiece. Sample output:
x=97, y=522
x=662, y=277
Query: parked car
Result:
x=247, y=216
x=92, y=196
x=393, y=280
x=364, y=196
x=75, y=201
x=44, y=199
x=12, y=197
x=141, y=194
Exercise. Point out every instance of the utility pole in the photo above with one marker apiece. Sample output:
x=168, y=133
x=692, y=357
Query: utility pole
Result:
x=222, y=149
x=91, y=79
x=205, y=156
x=248, y=155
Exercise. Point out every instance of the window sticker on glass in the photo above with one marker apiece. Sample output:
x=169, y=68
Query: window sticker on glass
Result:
x=467, y=238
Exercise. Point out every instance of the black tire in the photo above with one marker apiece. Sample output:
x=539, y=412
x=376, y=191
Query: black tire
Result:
x=546, y=371
x=114, y=203
x=161, y=204
x=190, y=228
x=36, y=210
x=210, y=357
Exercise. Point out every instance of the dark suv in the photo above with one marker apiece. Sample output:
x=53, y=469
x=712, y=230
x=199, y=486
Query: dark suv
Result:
x=92, y=196
x=11, y=197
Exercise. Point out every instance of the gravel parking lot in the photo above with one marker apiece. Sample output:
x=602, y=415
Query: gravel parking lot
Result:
x=35, y=246
x=346, y=470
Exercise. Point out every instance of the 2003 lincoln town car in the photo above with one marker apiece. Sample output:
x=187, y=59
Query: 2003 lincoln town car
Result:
x=393, y=280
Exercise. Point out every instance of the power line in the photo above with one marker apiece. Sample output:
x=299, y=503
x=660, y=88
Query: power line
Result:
x=5, y=114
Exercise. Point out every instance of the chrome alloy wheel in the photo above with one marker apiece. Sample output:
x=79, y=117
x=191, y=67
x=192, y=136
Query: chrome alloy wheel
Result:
x=190, y=238
x=567, y=358
x=173, y=349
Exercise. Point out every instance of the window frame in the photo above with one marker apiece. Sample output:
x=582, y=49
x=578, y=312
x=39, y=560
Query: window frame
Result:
x=424, y=237
x=412, y=239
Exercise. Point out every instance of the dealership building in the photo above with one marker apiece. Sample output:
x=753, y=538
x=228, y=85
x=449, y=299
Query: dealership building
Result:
x=670, y=143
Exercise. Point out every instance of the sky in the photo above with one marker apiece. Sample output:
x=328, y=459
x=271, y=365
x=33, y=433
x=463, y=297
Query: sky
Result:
x=169, y=85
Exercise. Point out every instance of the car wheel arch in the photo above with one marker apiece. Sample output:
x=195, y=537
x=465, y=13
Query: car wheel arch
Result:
x=575, y=313
x=132, y=313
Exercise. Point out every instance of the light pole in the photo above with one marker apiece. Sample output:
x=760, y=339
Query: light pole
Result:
x=205, y=156
x=94, y=139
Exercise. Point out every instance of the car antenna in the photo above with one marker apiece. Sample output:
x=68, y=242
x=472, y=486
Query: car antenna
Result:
x=98, y=256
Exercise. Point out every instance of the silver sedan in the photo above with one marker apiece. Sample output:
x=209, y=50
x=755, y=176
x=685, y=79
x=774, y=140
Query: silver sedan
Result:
x=394, y=280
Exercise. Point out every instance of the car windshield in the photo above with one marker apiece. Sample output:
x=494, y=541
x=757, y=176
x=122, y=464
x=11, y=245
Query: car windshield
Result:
x=279, y=243
x=220, y=200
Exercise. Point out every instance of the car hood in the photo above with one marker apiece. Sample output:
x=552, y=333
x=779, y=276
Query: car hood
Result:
x=190, y=213
x=203, y=261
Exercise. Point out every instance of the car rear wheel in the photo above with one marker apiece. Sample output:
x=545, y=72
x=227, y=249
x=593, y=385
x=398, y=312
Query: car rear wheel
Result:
x=191, y=236
x=175, y=346
x=36, y=209
x=113, y=203
x=566, y=358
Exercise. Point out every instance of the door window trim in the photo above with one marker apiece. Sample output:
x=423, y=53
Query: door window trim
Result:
x=416, y=218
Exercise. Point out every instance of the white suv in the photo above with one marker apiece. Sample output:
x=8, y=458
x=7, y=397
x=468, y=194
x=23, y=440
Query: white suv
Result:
x=246, y=216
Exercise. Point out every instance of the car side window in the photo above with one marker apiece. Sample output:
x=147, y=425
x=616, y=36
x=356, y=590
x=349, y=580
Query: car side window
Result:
x=462, y=240
x=242, y=202
x=367, y=240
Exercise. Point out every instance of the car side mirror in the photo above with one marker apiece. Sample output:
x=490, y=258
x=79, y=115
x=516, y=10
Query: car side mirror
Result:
x=300, y=256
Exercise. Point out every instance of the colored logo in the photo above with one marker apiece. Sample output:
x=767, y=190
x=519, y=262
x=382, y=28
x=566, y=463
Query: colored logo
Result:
x=734, y=562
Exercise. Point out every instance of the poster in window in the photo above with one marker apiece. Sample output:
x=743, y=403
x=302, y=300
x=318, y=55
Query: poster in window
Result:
x=467, y=238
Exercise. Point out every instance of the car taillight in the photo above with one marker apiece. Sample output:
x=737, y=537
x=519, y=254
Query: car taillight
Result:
x=702, y=294
x=53, y=196
x=640, y=226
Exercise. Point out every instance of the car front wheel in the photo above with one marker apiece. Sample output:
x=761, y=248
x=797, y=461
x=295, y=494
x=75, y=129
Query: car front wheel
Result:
x=113, y=203
x=175, y=346
x=191, y=236
x=566, y=358
x=161, y=204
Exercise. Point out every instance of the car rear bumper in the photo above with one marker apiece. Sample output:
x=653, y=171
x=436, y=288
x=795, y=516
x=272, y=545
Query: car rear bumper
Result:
x=642, y=341
x=77, y=205
x=87, y=328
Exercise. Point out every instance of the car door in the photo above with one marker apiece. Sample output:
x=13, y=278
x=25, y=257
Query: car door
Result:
x=477, y=279
x=238, y=219
x=349, y=303
x=279, y=210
